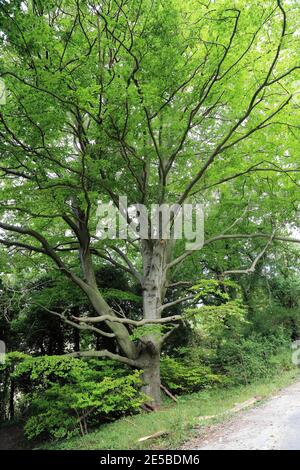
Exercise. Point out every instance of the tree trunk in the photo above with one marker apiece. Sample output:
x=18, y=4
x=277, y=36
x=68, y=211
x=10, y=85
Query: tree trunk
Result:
x=151, y=376
x=154, y=265
x=147, y=354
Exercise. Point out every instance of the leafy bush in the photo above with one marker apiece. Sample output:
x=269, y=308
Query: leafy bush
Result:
x=69, y=395
x=181, y=377
x=232, y=361
x=255, y=357
x=216, y=321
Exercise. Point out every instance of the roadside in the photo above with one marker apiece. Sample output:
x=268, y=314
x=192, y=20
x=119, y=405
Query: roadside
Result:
x=181, y=422
x=274, y=424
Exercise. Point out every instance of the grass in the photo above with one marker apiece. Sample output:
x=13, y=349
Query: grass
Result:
x=180, y=420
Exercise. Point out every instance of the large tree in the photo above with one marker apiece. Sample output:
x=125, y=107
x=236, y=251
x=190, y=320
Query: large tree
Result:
x=165, y=102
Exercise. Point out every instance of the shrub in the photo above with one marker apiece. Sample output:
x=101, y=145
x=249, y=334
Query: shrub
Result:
x=248, y=359
x=183, y=377
x=69, y=395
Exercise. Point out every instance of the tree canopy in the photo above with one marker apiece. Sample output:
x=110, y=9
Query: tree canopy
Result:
x=164, y=102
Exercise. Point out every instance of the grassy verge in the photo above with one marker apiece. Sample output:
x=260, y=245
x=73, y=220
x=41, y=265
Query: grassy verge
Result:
x=180, y=420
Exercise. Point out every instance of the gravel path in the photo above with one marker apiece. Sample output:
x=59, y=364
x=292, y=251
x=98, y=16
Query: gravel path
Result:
x=275, y=424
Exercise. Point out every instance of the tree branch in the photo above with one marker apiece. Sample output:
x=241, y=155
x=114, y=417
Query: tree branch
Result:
x=254, y=101
x=253, y=265
x=128, y=321
x=107, y=354
x=166, y=336
x=175, y=302
x=230, y=237
x=75, y=325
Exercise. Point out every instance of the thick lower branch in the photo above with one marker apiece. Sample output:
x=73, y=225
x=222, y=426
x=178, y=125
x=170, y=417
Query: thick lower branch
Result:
x=105, y=354
x=128, y=321
x=75, y=325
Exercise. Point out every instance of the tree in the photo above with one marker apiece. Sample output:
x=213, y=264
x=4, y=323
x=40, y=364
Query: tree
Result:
x=164, y=103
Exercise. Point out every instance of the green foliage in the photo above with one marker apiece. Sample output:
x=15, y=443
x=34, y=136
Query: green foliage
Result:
x=119, y=295
x=12, y=359
x=222, y=311
x=213, y=290
x=9, y=384
x=274, y=302
x=254, y=357
x=217, y=320
x=155, y=331
x=69, y=395
x=167, y=101
x=180, y=376
x=180, y=420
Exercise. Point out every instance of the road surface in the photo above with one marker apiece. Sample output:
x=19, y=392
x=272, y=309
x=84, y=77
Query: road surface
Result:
x=274, y=424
